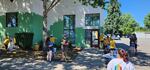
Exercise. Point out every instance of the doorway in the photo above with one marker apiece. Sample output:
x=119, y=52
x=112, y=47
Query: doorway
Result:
x=92, y=37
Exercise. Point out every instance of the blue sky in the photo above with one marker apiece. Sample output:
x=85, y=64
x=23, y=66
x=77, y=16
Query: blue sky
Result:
x=137, y=8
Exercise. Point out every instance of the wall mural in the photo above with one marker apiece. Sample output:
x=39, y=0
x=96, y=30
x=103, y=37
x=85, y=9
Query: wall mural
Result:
x=11, y=19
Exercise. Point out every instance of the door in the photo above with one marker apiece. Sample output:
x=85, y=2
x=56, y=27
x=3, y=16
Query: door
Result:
x=91, y=37
x=95, y=38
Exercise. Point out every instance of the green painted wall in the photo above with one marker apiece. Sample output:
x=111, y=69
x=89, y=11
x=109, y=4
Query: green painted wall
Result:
x=27, y=22
x=80, y=37
x=57, y=30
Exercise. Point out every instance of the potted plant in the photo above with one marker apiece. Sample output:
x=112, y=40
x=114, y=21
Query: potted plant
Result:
x=36, y=47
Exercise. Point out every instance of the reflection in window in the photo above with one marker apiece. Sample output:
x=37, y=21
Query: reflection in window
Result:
x=69, y=27
x=92, y=19
x=11, y=19
x=87, y=36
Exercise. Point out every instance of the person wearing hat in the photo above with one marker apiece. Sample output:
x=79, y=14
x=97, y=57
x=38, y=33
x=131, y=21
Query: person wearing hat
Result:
x=121, y=62
x=52, y=40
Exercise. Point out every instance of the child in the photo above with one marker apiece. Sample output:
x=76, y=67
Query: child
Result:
x=49, y=45
x=6, y=42
x=52, y=40
x=64, y=45
x=11, y=44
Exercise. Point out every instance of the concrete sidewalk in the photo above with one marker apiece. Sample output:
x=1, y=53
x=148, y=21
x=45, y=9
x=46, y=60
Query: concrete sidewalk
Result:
x=88, y=59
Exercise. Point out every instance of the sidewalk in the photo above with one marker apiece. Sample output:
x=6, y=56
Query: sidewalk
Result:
x=88, y=59
x=142, y=60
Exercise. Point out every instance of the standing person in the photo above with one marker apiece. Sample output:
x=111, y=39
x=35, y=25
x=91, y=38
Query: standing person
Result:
x=52, y=40
x=121, y=62
x=133, y=42
x=106, y=45
x=50, y=48
x=101, y=38
x=112, y=44
x=64, y=48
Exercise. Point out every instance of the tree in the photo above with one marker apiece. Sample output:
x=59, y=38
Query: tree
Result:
x=47, y=6
x=112, y=22
x=129, y=25
x=94, y=3
x=147, y=21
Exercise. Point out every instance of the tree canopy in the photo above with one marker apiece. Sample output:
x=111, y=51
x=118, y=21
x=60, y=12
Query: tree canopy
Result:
x=128, y=25
x=94, y=3
x=112, y=22
x=147, y=21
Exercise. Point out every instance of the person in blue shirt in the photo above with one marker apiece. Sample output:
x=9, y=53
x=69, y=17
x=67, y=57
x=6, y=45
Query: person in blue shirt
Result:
x=50, y=49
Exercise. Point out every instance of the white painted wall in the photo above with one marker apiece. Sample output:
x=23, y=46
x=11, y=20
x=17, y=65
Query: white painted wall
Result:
x=21, y=6
x=67, y=7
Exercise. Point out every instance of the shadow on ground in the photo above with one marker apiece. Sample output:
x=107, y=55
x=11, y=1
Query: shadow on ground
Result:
x=123, y=46
x=91, y=59
x=142, y=59
x=87, y=59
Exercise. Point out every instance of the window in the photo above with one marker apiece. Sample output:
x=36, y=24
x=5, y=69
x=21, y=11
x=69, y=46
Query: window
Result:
x=87, y=36
x=92, y=20
x=11, y=19
x=69, y=27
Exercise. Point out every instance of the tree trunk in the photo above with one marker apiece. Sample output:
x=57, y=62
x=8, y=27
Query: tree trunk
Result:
x=45, y=29
x=45, y=12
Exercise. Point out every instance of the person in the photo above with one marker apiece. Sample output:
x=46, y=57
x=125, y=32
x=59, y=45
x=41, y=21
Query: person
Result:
x=12, y=44
x=121, y=62
x=101, y=38
x=106, y=45
x=50, y=48
x=64, y=48
x=111, y=55
x=6, y=41
x=52, y=40
x=112, y=44
x=133, y=42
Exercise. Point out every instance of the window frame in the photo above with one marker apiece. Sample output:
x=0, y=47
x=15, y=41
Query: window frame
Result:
x=69, y=29
x=91, y=14
x=8, y=16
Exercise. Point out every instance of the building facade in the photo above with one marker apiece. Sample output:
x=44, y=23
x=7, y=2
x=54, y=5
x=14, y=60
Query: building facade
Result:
x=81, y=24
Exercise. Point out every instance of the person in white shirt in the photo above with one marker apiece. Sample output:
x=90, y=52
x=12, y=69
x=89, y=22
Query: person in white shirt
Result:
x=121, y=62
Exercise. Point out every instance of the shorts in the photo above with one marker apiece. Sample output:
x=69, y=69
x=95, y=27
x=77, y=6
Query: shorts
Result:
x=50, y=49
x=64, y=48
